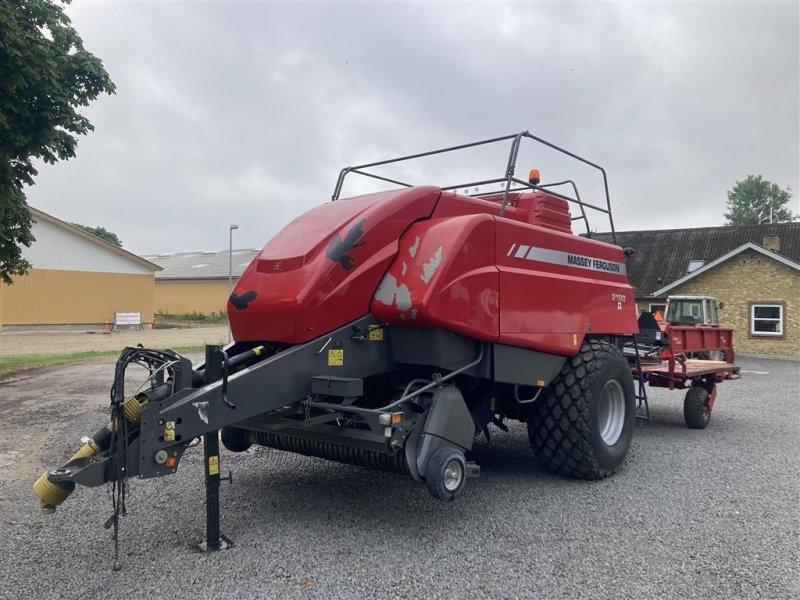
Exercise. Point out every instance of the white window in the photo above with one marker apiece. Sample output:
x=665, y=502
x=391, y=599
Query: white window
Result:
x=654, y=308
x=694, y=265
x=766, y=319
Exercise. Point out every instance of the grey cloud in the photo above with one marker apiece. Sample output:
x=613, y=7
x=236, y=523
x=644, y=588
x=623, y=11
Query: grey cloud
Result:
x=245, y=113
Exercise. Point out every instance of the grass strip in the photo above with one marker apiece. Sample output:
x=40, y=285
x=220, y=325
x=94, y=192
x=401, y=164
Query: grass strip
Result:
x=25, y=362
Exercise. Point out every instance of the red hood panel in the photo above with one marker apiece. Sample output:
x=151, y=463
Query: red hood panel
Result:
x=299, y=239
x=321, y=270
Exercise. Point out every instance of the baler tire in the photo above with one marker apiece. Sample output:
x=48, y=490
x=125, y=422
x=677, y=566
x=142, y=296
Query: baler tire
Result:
x=695, y=408
x=571, y=429
x=442, y=471
x=235, y=439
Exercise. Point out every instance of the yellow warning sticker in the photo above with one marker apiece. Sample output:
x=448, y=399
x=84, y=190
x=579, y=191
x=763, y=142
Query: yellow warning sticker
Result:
x=170, y=425
x=169, y=435
x=376, y=335
x=336, y=357
x=213, y=465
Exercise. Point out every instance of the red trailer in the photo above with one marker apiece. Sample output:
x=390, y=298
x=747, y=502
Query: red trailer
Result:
x=672, y=366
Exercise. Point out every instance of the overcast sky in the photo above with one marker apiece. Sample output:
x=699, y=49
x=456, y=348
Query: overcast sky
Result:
x=244, y=113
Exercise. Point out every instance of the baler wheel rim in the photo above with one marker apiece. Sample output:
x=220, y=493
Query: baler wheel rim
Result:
x=611, y=412
x=453, y=475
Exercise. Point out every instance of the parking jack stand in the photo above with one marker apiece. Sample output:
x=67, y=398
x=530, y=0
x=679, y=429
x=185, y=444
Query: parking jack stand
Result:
x=214, y=540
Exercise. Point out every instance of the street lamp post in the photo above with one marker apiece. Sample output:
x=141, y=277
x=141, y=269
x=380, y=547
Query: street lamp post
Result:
x=230, y=271
x=230, y=257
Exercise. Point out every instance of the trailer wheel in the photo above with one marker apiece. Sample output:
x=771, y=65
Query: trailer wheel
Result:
x=235, y=439
x=695, y=408
x=584, y=424
x=446, y=473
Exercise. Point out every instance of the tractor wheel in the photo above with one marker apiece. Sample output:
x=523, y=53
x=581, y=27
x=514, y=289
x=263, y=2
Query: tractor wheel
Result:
x=584, y=424
x=235, y=439
x=695, y=408
x=446, y=473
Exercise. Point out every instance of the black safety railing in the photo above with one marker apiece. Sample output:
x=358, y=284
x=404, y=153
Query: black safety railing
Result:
x=509, y=180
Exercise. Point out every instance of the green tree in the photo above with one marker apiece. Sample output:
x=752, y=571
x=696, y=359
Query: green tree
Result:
x=45, y=75
x=102, y=233
x=751, y=201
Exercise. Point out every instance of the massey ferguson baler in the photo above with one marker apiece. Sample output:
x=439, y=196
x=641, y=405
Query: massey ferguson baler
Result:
x=389, y=330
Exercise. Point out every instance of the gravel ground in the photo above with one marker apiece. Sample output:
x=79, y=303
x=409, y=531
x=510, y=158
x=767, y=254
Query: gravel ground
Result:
x=692, y=514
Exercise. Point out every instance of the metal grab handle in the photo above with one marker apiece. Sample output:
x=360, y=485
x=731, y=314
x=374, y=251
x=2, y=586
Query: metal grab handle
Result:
x=225, y=369
x=519, y=400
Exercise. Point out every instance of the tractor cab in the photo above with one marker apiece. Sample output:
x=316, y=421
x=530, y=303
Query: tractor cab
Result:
x=692, y=310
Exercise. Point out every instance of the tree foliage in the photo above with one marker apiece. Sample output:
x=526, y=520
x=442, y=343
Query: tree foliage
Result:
x=750, y=202
x=45, y=75
x=102, y=233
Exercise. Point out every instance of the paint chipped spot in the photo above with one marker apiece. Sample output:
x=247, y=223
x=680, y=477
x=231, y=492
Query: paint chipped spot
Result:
x=431, y=265
x=403, y=297
x=413, y=249
x=386, y=290
x=390, y=293
x=202, y=411
x=405, y=268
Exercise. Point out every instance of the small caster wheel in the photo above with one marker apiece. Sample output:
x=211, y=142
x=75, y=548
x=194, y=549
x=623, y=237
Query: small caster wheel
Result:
x=446, y=473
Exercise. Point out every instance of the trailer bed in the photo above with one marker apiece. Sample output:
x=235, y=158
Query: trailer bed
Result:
x=690, y=369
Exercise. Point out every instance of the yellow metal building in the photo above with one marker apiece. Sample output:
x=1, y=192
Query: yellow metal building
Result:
x=197, y=282
x=77, y=280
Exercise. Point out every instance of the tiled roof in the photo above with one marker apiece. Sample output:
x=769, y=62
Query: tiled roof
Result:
x=663, y=256
x=750, y=246
x=201, y=265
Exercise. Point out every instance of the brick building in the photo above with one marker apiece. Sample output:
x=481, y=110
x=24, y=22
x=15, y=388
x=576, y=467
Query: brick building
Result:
x=752, y=270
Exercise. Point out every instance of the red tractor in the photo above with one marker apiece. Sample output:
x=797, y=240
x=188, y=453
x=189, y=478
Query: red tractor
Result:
x=687, y=350
x=389, y=330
